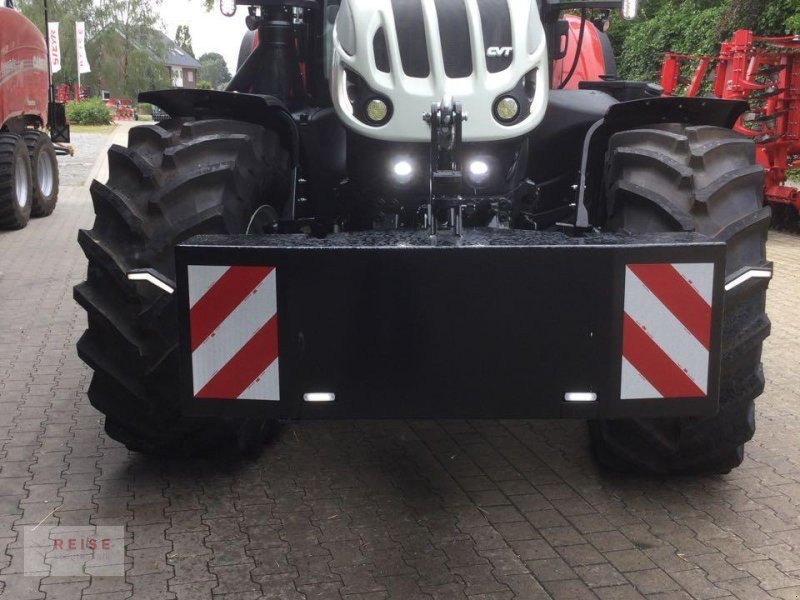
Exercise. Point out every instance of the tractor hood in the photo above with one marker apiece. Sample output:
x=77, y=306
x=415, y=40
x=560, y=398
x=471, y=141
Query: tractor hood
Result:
x=392, y=59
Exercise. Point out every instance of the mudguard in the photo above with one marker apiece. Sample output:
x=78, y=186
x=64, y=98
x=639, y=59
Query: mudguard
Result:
x=266, y=111
x=640, y=114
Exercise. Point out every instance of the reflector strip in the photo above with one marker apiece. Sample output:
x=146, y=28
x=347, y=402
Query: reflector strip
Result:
x=666, y=330
x=747, y=276
x=151, y=279
x=233, y=326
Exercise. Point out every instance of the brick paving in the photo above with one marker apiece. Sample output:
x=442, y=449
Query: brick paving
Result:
x=373, y=510
x=77, y=170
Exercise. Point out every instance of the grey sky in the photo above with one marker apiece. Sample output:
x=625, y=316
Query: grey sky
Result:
x=211, y=32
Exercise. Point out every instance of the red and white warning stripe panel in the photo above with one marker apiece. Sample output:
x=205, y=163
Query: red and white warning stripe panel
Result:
x=666, y=332
x=233, y=323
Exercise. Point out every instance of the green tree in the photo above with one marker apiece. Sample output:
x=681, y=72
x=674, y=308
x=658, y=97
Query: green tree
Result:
x=214, y=70
x=123, y=48
x=183, y=37
x=765, y=17
x=693, y=27
x=65, y=12
x=129, y=52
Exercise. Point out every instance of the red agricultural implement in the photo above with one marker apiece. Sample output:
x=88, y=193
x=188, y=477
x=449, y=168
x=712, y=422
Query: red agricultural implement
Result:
x=766, y=73
x=121, y=109
x=65, y=92
x=29, y=122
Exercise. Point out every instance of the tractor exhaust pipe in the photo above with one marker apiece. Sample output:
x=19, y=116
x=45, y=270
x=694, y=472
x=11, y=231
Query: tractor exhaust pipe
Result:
x=273, y=67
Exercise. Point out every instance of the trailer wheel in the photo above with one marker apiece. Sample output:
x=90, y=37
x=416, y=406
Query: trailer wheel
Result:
x=175, y=179
x=16, y=194
x=703, y=179
x=44, y=172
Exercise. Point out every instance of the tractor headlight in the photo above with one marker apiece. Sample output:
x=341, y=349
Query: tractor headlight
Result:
x=377, y=111
x=506, y=109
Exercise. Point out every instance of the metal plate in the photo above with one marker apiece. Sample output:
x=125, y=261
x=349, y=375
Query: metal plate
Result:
x=494, y=325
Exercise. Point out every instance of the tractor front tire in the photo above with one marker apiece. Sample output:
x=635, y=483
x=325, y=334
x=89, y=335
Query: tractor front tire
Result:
x=44, y=172
x=175, y=179
x=704, y=179
x=16, y=193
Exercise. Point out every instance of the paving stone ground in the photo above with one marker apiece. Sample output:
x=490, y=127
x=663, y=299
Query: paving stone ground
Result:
x=75, y=170
x=373, y=510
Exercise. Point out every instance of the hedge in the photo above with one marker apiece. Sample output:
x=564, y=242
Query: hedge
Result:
x=88, y=112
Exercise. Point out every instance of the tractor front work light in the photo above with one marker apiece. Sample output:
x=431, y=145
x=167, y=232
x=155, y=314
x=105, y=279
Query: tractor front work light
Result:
x=478, y=172
x=377, y=111
x=402, y=171
x=630, y=9
x=227, y=7
x=506, y=109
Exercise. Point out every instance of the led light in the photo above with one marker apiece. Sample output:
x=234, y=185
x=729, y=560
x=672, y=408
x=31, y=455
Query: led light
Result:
x=140, y=276
x=506, y=109
x=478, y=168
x=403, y=171
x=319, y=397
x=478, y=172
x=227, y=7
x=377, y=110
x=630, y=8
x=747, y=276
x=580, y=397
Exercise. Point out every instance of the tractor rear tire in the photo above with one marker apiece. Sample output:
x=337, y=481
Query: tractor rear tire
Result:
x=44, y=172
x=702, y=179
x=16, y=186
x=175, y=179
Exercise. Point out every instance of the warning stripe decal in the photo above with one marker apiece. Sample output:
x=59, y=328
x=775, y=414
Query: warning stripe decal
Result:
x=654, y=364
x=221, y=299
x=666, y=330
x=679, y=297
x=246, y=365
x=233, y=327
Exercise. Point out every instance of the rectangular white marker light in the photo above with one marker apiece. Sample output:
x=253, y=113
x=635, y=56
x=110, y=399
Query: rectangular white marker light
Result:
x=150, y=279
x=319, y=397
x=747, y=276
x=580, y=397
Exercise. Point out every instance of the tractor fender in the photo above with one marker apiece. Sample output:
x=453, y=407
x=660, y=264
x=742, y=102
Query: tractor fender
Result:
x=267, y=111
x=690, y=111
x=641, y=114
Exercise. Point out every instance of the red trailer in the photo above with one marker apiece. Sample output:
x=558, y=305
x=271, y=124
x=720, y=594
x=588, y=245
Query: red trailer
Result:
x=766, y=73
x=28, y=165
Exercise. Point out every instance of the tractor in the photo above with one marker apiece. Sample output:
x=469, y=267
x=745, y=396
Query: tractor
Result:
x=431, y=209
x=28, y=164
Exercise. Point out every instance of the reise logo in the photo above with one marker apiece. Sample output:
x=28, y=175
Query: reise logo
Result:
x=498, y=51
